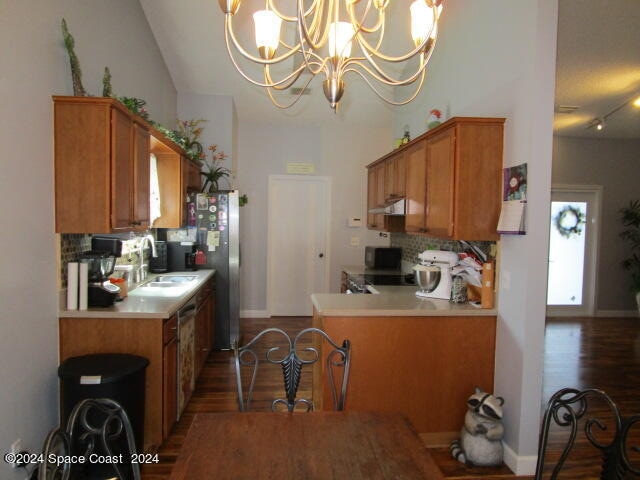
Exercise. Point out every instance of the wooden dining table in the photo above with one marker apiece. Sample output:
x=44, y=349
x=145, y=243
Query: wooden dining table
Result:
x=303, y=446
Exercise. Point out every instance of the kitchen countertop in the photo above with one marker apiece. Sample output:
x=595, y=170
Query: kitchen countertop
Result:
x=143, y=306
x=391, y=301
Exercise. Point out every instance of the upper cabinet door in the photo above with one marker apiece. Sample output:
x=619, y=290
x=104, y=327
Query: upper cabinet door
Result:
x=101, y=166
x=416, y=171
x=440, y=184
x=141, y=184
x=121, y=181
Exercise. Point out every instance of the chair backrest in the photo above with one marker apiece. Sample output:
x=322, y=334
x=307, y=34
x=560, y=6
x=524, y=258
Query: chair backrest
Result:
x=570, y=412
x=291, y=354
x=98, y=427
x=56, y=445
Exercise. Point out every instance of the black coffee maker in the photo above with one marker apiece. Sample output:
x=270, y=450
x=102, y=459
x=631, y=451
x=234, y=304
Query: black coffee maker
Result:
x=101, y=260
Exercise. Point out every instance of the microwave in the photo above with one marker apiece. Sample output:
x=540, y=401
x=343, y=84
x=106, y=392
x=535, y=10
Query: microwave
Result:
x=383, y=257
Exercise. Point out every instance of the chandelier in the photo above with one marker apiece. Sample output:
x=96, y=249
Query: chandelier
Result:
x=324, y=34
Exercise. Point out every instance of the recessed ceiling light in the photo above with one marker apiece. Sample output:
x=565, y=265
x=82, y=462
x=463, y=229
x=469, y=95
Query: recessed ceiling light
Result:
x=636, y=102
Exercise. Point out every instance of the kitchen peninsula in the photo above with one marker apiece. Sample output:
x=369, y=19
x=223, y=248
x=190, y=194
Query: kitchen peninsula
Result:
x=421, y=357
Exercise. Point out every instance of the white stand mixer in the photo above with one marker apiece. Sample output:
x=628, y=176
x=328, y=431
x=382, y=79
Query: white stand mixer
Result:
x=431, y=284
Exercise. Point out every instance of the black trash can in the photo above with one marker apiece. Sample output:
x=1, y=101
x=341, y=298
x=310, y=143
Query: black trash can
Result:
x=120, y=377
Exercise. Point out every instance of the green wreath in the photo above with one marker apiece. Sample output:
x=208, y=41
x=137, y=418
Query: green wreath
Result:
x=569, y=221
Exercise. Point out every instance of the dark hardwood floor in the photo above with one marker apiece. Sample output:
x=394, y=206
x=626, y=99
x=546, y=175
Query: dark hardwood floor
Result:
x=579, y=352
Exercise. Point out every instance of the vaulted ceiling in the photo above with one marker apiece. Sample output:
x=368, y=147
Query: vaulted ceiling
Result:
x=598, y=67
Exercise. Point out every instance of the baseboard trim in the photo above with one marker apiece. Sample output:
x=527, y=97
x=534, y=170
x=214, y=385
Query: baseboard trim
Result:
x=520, y=465
x=616, y=313
x=254, y=314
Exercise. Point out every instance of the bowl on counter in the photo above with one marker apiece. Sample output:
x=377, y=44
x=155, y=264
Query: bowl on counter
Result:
x=427, y=277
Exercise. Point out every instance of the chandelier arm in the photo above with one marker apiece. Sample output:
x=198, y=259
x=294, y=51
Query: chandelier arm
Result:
x=368, y=48
x=385, y=78
x=359, y=24
x=293, y=102
x=380, y=95
x=271, y=5
x=382, y=77
x=305, y=34
x=261, y=84
x=281, y=85
x=387, y=58
x=228, y=30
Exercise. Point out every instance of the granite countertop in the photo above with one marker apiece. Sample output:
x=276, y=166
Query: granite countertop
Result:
x=391, y=301
x=143, y=306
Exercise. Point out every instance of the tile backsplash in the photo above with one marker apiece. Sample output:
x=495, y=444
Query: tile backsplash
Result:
x=412, y=245
x=73, y=244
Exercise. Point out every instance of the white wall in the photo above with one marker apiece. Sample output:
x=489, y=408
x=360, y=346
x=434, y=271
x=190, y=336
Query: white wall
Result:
x=497, y=58
x=35, y=66
x=218, y=111
x=614, y=164
x=335, y=151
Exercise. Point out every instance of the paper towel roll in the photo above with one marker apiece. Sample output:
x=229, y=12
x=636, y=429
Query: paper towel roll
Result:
x=488, y=278
x=84, y=285
x=72, y=286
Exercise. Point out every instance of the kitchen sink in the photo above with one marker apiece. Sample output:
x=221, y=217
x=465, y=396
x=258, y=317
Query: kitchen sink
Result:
x=164, y=286
x=174, y=279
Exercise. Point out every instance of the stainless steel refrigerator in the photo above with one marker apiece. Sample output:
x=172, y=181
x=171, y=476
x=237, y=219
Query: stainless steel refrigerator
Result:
x=217, y=221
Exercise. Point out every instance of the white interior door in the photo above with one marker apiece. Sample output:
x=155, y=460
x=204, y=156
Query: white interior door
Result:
x=297, y=262
x=573, y=237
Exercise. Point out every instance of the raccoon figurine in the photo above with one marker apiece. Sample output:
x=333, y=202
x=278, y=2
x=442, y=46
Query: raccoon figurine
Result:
x=480, y=441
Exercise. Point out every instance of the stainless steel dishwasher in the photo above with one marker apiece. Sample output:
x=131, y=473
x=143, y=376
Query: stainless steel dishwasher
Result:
x=186, y=353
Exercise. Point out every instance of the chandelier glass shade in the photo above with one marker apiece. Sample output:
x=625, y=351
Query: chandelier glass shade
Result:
x=333, y=38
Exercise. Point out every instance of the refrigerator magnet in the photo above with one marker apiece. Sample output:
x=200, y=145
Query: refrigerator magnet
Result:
x=201, y=201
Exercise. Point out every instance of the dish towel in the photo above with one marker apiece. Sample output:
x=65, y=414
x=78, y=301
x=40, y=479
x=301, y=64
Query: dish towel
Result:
x=154, y=191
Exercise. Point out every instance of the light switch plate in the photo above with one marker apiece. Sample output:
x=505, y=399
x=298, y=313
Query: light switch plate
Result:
x=355, y=241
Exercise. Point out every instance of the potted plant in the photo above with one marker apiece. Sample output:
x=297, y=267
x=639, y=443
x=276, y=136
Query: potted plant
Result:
x=215, y=171
x=630, y=216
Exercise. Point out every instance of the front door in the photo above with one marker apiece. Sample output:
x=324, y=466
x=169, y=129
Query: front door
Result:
x=573, y=236
x=297, y=262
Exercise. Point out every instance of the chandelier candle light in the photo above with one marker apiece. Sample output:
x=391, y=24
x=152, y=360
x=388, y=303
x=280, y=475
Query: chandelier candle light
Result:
x=326, y=32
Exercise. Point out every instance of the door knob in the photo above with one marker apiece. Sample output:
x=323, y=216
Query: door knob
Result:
x=321, y=255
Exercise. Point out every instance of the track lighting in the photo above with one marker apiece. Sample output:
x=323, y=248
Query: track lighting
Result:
x=599, y=123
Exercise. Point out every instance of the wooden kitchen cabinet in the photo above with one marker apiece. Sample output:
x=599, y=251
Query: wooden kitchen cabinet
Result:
x=138, y=336
x=153, y=338
x=394, y=177
x=169, y=375
x=452, y=179
x=437, y=363
x=416, y=172
x=101, y=166
x=464, y=179
x=204, y=326
x=376, y=198
x=177, y=176
x=440, y=181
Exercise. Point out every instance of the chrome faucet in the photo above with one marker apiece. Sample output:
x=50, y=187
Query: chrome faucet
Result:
x=143, y=268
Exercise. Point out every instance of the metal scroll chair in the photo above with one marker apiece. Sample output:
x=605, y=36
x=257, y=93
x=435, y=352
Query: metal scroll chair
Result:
x=291, y=354
x=95, y=426
x=56, y=445
x=570, y=411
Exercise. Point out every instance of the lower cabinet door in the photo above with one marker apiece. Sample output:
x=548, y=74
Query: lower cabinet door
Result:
x=169, y=386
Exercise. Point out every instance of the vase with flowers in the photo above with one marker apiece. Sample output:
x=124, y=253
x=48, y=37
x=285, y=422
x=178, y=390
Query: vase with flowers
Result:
x=189, y=132
x=434, y=118
x=214, y=170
